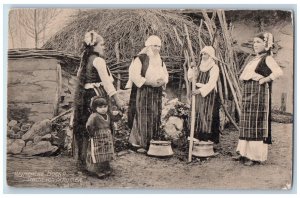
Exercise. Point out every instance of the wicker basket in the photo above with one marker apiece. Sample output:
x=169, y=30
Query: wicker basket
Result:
x=203, y=149
x=160, y=148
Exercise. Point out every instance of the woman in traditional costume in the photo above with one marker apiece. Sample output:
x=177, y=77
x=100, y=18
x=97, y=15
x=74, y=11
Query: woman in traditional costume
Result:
x=255, y=120
x=207, y=102
x=94, y=78
x=148, y=76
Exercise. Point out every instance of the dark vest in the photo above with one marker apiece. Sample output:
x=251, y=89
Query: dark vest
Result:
x=262, y=67
x=91, y=75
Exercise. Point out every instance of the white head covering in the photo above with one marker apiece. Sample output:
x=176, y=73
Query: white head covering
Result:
x=209, y=50
x=153, y=40
x=206, y=65
x=268, y=39
x=91, y=38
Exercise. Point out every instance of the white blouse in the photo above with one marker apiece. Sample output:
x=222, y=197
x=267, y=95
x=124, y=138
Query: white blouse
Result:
x=106, y=79
x=205, y=89
x=154, y=72
x=249, y=71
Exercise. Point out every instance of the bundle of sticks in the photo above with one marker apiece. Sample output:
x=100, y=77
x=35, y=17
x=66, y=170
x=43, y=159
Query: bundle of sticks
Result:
x=221, y=40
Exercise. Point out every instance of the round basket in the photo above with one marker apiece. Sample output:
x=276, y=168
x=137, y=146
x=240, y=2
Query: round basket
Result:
x=203, y=149
x=160, y=148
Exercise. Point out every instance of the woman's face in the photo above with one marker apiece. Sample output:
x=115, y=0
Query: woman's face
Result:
x=205, y=56
x=100, y=47
x=258, y=45
x=155, y=49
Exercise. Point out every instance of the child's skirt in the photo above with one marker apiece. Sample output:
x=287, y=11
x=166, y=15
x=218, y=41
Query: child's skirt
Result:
x=100, y=151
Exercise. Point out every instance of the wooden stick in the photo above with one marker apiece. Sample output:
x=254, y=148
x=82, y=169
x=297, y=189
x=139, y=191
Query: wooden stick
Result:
x=199, y=34
x=60, y=115
x=234, y=95
x=224, y=81
x=186, y=56
x=187, y=84
x=177, y=36
x=208, y=23
x=224, y=107
x=193, y=97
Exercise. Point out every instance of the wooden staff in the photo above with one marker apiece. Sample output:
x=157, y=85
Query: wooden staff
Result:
x=224, y=107
x=193, y=97
x=186, y=58
x=60, y=115
x=199, y=34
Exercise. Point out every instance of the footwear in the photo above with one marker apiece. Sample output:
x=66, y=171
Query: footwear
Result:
x=237, y=158
x=141, y=150
x=249, y=163
x=108, y=172
x=101, y=175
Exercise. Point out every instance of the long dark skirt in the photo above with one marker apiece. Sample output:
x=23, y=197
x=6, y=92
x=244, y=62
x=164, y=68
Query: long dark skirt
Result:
x=147, y=117
x=255, y=120
x=82, y=112
x=207, y=121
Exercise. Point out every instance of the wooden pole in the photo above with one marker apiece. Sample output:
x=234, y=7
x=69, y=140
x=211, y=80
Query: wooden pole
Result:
x=187, y=84
x=186, y=56
x=199, y=34
x=62, y=114
x=224, y=107
x=58, y=90
x=193, y=97
x=283, y=102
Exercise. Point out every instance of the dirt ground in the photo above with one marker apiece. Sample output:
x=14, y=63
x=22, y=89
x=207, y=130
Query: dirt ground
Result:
x=138, y=171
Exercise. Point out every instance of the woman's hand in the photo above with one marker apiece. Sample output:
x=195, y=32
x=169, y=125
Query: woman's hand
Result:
x=160, y=82
x=264, y=80
x=199, y=85
x=193, y=64
x=196, y=92
x=119, y=102
x=257, y=77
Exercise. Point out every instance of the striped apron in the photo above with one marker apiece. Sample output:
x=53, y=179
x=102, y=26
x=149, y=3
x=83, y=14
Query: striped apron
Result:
x=254, y=120
x=207, y=120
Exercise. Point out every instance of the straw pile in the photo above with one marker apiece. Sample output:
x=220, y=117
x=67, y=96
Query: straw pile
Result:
x=125, y=32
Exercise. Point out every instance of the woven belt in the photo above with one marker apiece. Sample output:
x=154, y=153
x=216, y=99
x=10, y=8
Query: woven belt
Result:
x=92, y=85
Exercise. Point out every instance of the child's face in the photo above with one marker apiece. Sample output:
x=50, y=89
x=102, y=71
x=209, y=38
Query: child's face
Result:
x=102, y=109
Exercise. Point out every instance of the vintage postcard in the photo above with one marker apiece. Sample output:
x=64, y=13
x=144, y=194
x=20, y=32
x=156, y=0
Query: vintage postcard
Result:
x=196, y=99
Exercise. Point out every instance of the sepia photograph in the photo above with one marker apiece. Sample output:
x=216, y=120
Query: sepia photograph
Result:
x=150, y=98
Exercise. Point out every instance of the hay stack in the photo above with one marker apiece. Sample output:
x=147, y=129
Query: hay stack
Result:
x=125, y=32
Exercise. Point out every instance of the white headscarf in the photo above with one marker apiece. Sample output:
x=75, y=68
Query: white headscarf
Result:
x=210, y=62
x=91, y=38
x=153, y=40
